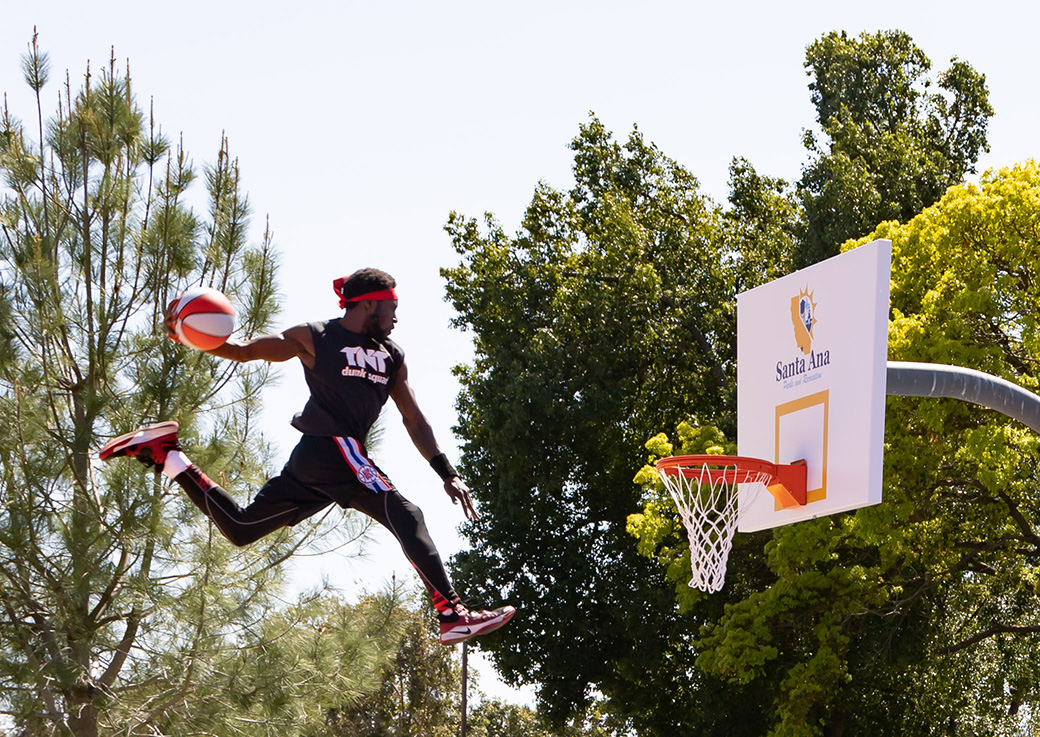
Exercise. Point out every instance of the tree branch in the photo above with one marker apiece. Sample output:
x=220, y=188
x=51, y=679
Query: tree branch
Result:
x=999, y=629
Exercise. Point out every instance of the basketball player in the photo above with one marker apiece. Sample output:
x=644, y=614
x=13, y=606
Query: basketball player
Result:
x=351, y=367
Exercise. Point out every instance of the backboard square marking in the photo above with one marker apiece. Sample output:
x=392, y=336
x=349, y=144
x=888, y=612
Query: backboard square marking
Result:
x=801, y=434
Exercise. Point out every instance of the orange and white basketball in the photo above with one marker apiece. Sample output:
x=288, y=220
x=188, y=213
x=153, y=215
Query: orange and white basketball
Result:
x=204, y=318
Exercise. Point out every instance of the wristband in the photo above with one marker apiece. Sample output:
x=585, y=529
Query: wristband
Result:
x=443, y=467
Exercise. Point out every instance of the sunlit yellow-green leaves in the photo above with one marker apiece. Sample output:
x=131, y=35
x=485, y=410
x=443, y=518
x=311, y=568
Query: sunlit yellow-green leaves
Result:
x=941, y=579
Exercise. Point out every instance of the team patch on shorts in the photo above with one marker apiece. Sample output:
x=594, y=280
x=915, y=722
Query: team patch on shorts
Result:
x=363, y=468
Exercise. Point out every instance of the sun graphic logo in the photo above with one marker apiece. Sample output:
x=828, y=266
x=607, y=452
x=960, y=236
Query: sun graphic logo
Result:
x=803, y=317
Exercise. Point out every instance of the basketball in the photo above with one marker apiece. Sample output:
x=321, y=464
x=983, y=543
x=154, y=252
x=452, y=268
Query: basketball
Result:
x=204, y=318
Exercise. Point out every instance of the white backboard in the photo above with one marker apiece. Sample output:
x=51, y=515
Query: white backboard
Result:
x=812, y=349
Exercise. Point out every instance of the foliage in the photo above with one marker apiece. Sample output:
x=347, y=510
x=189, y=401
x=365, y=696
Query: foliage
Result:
x=419, y=691
x=920, y=612
x=498, y=719
x=420, y=687
x=762, y=226
x=893, y=139
x=611, y=309
x=609, y=316
x=119, y=607
x=494, y=718
x=291, y=673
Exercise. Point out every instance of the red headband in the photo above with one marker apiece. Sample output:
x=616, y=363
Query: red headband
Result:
x=380, y=296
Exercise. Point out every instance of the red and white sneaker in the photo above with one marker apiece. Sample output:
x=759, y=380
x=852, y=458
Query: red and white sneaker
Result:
x=470, y=624
x=148, y=445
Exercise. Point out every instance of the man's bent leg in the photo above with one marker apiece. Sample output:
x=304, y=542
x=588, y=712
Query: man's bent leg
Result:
x=368, y=490
x=406, y=522
x=271, y=510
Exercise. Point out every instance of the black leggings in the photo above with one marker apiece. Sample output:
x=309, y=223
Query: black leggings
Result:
x=320, y=473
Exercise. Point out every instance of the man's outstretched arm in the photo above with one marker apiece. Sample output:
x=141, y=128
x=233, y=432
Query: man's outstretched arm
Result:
x=296, y=342
x=421, y=433
x=273, y=348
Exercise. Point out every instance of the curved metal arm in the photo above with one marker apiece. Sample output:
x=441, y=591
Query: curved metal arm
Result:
x=938, y=380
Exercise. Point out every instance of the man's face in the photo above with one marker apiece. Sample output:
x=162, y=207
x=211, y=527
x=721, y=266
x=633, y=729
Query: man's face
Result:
x=381, y=321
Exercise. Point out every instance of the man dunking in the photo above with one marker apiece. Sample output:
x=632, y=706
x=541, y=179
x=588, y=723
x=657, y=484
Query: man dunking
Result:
x=351, y=367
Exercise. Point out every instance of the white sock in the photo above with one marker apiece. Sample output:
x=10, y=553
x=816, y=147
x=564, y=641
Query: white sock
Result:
x=176, y=464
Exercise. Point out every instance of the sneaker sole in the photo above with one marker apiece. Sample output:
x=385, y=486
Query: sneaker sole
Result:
x=452, y=638
x=117, y=446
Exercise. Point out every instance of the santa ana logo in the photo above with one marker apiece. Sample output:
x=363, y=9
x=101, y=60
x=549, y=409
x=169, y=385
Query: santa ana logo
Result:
x=800, y=369
x=803, y=317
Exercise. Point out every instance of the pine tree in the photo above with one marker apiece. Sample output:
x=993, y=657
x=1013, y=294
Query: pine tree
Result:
x=117, y=598
x=420, y=687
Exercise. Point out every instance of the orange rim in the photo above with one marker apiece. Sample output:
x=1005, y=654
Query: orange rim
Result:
x=719, y=468
x=785, y=481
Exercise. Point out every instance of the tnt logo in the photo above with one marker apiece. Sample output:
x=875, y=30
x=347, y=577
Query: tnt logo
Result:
x=361, y=358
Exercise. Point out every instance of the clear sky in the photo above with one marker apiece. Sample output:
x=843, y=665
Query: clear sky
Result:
x=360, y=125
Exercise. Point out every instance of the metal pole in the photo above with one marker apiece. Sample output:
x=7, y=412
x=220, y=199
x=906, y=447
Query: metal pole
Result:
x=465, y=687
x=937, y=380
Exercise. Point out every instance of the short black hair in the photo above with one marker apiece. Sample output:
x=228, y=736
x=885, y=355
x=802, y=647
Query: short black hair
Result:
x=364, y=281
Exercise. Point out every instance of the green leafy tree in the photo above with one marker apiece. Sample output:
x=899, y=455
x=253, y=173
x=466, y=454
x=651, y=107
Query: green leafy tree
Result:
x=117, y=602
x=761, y=227
x=919, y=615
x=893, y=138
x=494, y=718
x=610, y=309
x=498, y=719
x=609, y=316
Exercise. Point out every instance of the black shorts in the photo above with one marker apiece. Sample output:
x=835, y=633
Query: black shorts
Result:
x=321, y=471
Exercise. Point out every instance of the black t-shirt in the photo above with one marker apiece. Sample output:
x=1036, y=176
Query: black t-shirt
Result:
x=350, y=381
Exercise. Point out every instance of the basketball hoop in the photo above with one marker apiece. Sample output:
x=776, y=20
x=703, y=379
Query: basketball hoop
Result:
x=706, y=490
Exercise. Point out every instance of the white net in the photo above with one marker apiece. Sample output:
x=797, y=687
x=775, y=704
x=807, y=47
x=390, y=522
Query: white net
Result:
x=707, y=499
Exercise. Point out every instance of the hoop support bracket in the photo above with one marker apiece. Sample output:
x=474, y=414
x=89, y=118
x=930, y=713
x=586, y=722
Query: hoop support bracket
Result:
x=788, y=487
